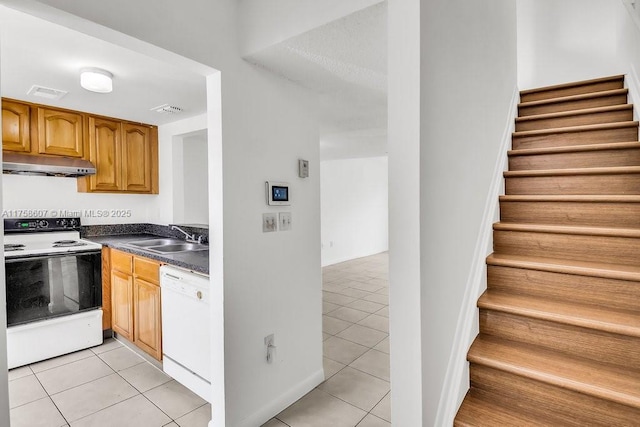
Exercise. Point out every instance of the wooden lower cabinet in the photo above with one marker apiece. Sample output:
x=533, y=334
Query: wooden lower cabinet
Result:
x=122, y=304
x=148, y=330
x=135, y=300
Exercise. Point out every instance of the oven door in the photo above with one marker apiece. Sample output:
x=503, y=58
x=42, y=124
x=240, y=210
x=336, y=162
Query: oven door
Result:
x=46, y=286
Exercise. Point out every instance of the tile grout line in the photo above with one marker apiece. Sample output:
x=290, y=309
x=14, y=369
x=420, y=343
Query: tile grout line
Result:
x=367, y=351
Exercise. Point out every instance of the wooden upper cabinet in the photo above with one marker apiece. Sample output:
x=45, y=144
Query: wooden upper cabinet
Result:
x=125, y=155
x=105, y=152
x=16, y=126
x=60, y=132
x=137, y=158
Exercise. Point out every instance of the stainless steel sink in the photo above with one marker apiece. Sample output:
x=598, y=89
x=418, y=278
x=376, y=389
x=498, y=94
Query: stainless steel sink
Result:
x=167, y=246
x=181, y=247
x=156, y=242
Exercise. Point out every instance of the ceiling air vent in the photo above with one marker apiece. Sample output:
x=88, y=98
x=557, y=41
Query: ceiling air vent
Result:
x=166, y=108
x=46, y=92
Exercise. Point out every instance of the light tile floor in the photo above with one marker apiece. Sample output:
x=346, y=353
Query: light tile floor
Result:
x=104, y=386
x=110, y=385
x=355, y=326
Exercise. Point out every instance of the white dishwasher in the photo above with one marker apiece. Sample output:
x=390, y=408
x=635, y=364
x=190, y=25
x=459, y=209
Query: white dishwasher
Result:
x=185, y=328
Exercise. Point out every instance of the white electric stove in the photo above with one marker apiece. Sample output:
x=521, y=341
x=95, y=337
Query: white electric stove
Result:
x=53, y=289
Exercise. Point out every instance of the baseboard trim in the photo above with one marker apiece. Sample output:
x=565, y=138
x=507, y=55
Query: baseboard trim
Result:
x=454, y=388
x=283, y=401
x=352, y=257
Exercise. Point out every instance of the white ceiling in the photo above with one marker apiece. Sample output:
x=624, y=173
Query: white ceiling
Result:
x=345, y=63
x=38, y=52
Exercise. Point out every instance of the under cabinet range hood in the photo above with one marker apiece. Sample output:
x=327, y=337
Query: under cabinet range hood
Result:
x=26, y=164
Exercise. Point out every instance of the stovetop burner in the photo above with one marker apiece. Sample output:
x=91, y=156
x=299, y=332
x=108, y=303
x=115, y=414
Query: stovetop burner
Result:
x=44, y=236
x=67, y=243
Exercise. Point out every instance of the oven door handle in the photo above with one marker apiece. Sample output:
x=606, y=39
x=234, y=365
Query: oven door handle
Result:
x=49, y=256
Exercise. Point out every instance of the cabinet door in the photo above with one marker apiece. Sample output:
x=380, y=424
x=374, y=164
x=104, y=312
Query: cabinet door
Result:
x=137, y=158
x=148, y=330
x=122, y=304
x=106, y=288
x=60, y=132
x=16, y=127
x=105, y=152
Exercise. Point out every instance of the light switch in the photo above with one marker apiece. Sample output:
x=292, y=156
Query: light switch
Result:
x=269, y=222
x=303, y=168
x=285, y=221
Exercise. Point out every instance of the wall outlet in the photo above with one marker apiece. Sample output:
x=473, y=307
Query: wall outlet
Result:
x=269, y=222
x=284, y=219
x=270, y=347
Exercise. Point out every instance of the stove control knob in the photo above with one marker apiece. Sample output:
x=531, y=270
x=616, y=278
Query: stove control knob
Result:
x=73, y=222
x=63, y=222
x=43, y=223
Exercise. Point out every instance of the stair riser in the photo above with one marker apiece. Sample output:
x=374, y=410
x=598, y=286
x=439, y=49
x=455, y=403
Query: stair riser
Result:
x=600, y=346
x=576, y=120
x=604, y=249
x=613, y=184
x=553, y=405
x=475, y=412
x=581, y=104
x=575, y=90
x=601, y=292
x=589, y=214
x=582, y=159
x=585, y=137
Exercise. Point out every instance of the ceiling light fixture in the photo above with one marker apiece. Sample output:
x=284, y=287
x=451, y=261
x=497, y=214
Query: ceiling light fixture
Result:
x=96, y=80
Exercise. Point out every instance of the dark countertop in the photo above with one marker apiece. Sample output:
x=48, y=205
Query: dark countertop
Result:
x=196, y=260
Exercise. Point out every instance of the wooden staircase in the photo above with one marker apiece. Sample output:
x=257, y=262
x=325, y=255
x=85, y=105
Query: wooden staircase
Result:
x=559, y=341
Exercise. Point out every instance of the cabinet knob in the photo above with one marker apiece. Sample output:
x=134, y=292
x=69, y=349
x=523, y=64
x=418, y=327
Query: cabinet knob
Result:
x=199, y=294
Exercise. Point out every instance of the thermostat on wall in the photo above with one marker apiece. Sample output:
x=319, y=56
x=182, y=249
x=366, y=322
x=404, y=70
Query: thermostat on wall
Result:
x=278, y=193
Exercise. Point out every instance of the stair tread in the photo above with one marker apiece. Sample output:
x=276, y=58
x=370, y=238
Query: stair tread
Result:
x=478, y=412
x=586, y=316
x=573, y=129
x=584, y=376
x=556, y=265
x=573, y=148
x=572, y=198
x=572, y=84
x=609, y=170
x=570, y=113
x=569, y=229
x=569, y=98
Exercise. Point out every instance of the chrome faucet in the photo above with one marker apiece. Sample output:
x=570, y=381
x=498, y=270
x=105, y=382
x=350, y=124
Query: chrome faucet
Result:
x=189, y=237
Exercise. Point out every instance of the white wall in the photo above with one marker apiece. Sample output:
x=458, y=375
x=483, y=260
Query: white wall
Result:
x=60, y=194
x=628, y=46
x=196, y=190
x=461, y=123
x=272, y=282
x=171, y=200
x=564, y=41
x=354, y=215
x=190, y=171
x=404, y=77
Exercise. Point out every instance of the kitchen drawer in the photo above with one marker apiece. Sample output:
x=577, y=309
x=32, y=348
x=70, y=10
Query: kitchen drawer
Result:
x=121, y=261
x=146, y=269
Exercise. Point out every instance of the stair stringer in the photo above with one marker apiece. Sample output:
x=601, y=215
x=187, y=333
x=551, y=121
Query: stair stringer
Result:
x=456, y=380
